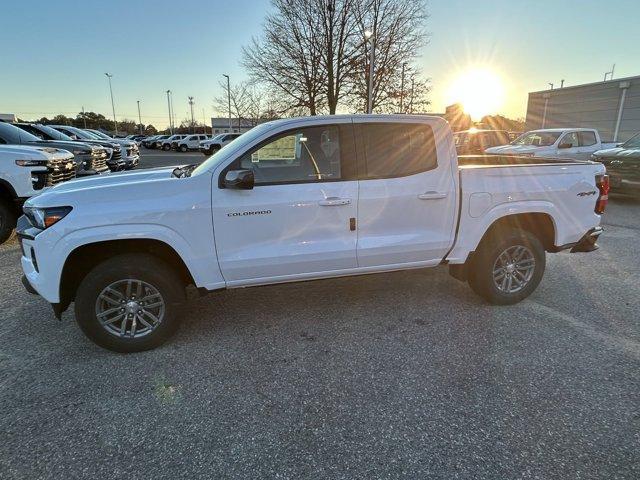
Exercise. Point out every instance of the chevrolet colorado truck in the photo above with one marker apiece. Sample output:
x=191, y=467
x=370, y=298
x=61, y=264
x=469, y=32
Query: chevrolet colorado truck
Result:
x=302, y=199
x=569, y=143
x=24, y=172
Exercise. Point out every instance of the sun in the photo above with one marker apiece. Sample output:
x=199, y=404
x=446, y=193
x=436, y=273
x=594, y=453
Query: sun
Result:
x=480, y=91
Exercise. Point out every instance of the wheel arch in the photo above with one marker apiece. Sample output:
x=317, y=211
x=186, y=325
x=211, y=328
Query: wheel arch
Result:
x=85, y=257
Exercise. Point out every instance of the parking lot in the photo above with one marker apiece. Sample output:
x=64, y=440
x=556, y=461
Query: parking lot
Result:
x=160, y=158
x=399, y=375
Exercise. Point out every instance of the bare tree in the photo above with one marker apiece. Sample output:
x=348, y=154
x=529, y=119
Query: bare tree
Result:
x=288, y=56
x=314, y=55
x=399, y=31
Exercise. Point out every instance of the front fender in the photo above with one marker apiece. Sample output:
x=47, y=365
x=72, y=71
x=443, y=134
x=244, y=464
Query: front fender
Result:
x=53, y=250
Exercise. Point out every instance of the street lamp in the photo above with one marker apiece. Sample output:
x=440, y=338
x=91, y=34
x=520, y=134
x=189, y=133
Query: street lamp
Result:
x=193, y=123
x=370, y=38
x=139, y=116
x=169, y=107
x=113, y=108
x=229, y=99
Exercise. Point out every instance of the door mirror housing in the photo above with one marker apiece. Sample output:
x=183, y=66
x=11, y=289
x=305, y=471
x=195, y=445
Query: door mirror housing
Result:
x=239, y=179
x=565, y=145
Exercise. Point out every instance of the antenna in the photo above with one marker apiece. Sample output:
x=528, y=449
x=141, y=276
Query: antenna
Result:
x=613, y=69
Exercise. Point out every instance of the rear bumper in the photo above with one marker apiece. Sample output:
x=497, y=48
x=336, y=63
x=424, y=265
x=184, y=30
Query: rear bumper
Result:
x=588, y=242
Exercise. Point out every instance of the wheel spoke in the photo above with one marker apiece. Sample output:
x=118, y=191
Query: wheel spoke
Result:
x=151, y=316
x=133, y=326
x=128, y=294
x=109, y=312
x=123, y=326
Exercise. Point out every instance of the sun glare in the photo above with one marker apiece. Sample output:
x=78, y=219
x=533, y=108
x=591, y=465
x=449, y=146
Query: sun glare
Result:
x=480, y=92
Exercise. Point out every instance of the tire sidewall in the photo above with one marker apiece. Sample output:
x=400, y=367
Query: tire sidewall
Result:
x=7, y=221
x=154, y=273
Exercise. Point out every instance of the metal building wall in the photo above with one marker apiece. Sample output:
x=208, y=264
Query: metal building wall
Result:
x=594, y=105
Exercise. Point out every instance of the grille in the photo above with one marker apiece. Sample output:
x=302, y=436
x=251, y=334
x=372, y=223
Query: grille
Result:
x=99, y=161
x=57, y=171
x=116, y=155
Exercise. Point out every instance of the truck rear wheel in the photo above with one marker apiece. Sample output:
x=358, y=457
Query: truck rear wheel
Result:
x=129, y=303
x=7, y=220
x=507, y=267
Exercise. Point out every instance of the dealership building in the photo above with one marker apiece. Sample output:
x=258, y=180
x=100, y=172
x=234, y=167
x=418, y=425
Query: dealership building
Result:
x=613, y=107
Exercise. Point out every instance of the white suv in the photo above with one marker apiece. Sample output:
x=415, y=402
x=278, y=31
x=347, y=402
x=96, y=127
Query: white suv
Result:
x=209, y=147
x=192, y=142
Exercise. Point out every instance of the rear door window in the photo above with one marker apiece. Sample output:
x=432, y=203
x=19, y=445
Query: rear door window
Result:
x=587, y=139
x=396, y=149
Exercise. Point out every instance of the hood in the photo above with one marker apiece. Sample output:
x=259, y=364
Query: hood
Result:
x=122, y=141
x=512, y=149
x=103, y=189
x=618, y=152
x=35, y=153
x=65, y=145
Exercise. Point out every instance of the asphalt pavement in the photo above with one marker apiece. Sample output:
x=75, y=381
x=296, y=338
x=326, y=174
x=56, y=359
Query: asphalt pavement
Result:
x=398, y=375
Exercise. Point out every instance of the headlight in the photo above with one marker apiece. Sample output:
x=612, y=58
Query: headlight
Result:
x=80, y=152
x=46, y=217
x=31, y=163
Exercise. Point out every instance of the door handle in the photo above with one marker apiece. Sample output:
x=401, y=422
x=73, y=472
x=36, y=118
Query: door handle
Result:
x=432, y=196
x=334, y=202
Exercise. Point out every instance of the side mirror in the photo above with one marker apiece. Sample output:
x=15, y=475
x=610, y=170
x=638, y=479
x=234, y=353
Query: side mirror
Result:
x=565, y=145
x=239, y=179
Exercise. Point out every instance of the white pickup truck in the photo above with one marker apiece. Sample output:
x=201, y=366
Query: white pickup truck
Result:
x=302, y=199
x=566, y=143
x=24, y=172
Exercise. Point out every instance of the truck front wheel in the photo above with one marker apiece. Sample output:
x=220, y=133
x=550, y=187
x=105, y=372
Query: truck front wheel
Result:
x=7, y=220
x=129, y=303
x=507, y=267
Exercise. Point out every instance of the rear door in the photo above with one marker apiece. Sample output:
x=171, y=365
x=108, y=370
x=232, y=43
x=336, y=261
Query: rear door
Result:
x=407, y=196
x=298, y=221
x=588, y=144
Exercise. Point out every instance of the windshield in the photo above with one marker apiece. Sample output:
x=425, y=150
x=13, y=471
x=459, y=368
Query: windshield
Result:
x=245, y=139
x=99, y=134
x=12, y=134
x=53, y=133
x=537, y=139
x=633, y=142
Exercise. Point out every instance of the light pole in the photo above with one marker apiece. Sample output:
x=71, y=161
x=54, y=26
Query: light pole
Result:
x=369, y=36
x=113, y=108
x=193, y=123
x=402, y=89
x=229, y=99
x=169, y=107
x=139, y=116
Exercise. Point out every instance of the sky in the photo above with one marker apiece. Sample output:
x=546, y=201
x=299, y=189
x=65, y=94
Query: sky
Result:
x=55, y=53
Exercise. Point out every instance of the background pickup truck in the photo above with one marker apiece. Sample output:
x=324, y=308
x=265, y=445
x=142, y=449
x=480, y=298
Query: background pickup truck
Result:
x=25, y=171
x=623, y=166
x=566, y=143
x=302, y=199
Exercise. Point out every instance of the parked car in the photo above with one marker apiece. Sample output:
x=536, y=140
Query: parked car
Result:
x=129, y=149
x=475, y=142
x=302, y=199
x=623, y=165
x=24, y=172
x=209, y=147
x=192, y=142
x=570, y=143
x=115, y=161
x=90, y=159
x=171, y=142
x=154, y=141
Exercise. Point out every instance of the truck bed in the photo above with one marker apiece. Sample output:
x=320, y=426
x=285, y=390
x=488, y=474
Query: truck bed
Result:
x=475, y=161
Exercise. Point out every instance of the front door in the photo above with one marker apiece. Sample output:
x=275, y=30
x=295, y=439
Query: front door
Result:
x=298, y=218
x=407, y=197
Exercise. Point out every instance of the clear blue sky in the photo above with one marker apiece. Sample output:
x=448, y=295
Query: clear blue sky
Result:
x=55, y=53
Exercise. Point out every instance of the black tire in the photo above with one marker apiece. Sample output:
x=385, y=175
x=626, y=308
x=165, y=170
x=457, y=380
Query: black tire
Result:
x=166, y=147
x=145, y=268
x=183, y=148
x=487, y=259
x=8, y=220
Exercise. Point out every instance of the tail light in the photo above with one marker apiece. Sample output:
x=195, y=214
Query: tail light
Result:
x=602, y=182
